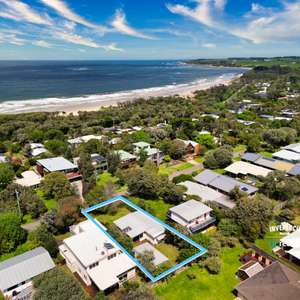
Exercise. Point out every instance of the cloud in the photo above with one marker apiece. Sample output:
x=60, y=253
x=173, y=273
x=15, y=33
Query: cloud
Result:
x=42, y=43
x=63, y=10
x=261, y=24
x=11, y=37
x=79, y=40
x=209, y=45
x=120, y=24
x=19, y=11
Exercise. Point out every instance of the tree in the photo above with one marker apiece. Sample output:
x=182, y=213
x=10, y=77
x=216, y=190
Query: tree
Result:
x=277, y=186
x=219, y=158
x=56, y=186
x=280, y=137
x=172, y=193
x=143, y=156
x=120, y=236
x=7, y=174
x=56, y=147
x=136, y=290
x=213, y=265
x=54, y=134
x=113, y=161
x=253, y=216
x=206, y=140
x=146, y=259
x=11, y=232
x=68, y=212
x=177, y=149
x=42, y=237
x=228, y=228
x=29, y=202
x=56, y=284
x=87, y=171
x=143, y=182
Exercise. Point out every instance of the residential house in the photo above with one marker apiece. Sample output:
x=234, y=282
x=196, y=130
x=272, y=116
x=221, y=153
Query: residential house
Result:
x=267, y=162
x=242, y=168
x=29, y=179
x=290, y=244
x=140, y=227
x=91, y=255
x=214, y=116
x=37, y=149
x=246, y=123
x=191, y=147
x=58, y=164
x=127, y=159
x=293, y=147
x=207, y=194
x=193, y=215
x=287, y=155
x=223, y=183
x=99, y=162
x=153, y=154
x=84, y=139
x=16, y=273
x=275, y=282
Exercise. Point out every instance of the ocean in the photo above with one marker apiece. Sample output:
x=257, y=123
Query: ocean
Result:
x=36, y=85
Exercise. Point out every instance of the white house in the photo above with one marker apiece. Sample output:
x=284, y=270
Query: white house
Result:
x=37, y=149
x=140, y=227
x=193, y=215
x=94, y=258
x=153, y=154
x=84, y=139
x=16, y=273
x=291, y=245
x=29, y=179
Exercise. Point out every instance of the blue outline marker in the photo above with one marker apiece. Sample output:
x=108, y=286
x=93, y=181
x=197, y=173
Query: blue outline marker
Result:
x=202, y=250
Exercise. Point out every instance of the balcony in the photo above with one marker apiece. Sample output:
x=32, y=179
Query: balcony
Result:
x=202, y=225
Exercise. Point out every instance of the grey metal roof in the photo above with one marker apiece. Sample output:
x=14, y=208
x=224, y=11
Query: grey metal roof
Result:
x=206, y=177
x=190, y=210
x=295, y=170
x=223, y=183
x=24, y=267
x=252, y=157
x=56, y=164
x=136, y=223
x=266, y=162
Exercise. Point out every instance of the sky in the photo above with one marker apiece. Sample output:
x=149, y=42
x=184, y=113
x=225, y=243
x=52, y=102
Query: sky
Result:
x=148, y=29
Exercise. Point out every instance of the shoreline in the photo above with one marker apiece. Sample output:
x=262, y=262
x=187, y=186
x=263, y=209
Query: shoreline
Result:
x=75, y=105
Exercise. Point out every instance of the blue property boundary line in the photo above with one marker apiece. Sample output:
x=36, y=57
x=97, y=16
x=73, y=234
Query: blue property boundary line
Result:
x=202, y=250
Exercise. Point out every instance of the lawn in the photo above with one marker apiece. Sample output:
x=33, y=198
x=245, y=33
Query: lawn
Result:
x=104, y=178
x=169, y=251
x=159, y=207
x=199, y=159
x=109, y=219
x=269, y=241
x=240, y=148
x=205, y=286
x=266, y=154
x=168, y=170
x=50, y=204
x=297, y=221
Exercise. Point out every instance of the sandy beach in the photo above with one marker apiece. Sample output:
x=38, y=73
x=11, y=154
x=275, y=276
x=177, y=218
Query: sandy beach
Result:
x=95, y=102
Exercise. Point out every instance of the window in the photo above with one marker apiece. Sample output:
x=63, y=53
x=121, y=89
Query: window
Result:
x=94, y=265
x=111, y=256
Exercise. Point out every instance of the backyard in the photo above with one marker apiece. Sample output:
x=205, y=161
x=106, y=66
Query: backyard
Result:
x=204, y=286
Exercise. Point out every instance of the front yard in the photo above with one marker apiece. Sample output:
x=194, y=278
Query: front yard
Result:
x=170, y=169
x=205, y=286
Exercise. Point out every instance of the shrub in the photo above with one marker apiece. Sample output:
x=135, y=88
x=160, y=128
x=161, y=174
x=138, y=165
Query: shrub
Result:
x=213, y=265
x=191, y=275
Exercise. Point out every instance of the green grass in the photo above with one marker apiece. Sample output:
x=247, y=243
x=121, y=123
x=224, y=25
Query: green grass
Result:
x=170, y=251
x=219, y=171
x=27, y=219
x=50, y=204
x=168, y=170
x=240, y=148
x=109, y=219
x=205, y=286
x=159, y=207
x=266, y=154
x=104, y=178
x=199, y=159
x=269, y=241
